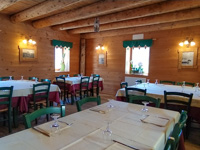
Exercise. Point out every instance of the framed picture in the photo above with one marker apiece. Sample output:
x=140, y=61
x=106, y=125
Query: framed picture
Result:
x=102, y=57
x=28, y=54
x=188, y=58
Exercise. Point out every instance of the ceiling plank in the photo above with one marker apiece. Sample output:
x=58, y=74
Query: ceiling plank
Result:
x=5, y=4
x=164, y=7
x=43, y=9
x=157, y=19
x=143, y=29
x=93, y=10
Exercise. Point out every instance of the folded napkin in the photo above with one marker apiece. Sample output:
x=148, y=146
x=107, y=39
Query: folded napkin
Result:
x=99, y=110
x=46, y=128
x=162, y=122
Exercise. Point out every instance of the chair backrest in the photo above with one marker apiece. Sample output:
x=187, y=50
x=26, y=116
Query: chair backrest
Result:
x=46, y=80
x=6, y=96
x=86, y=100
x=95, y=81
x=41, y=91
x=33, y=78
x=133, y=92
x=183, y=119
x=76, y=75
x=28, y=118
x=173, y=140
x=186, y=83
x=96, y=75
x=123, y=84
x=138, y=81
x=167, y=82
x=177, y=101
x=84, y=83
x=139, y=99
x=6, y=78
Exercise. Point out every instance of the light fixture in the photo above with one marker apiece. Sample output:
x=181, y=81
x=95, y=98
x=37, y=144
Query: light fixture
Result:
x=188, y=42
x=29, y=41
x=99, y=47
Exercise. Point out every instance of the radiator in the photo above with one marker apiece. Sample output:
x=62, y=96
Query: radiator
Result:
x=131, y=80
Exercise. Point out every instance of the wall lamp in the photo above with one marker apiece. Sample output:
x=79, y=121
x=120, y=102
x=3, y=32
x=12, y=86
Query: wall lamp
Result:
x=100, y=47
x=29, y=41
x=188, y=42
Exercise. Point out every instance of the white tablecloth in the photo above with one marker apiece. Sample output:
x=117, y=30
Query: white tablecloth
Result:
x=157, y=90
x=24, y=87
x=86, y=132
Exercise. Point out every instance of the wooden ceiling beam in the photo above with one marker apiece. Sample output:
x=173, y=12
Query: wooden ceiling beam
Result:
x=157, y=19
x=154, y=9
x=136, y=30
x=43, y=8
x=93, y=10
x=5, y=3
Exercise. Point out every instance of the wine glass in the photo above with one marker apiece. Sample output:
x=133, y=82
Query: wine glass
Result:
x=110, y=105
x=156, y=81
x=55, y=125
x=22, y=78
x=107, y=133
x=183, y=86
x=148, y=81
x=197, y=87
x=10, y=78
x=36, y=80
x=145, y=109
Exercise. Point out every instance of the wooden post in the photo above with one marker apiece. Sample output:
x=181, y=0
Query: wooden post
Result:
x=82, y=57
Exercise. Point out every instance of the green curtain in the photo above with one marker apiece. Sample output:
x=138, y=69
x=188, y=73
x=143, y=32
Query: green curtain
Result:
x=136, y=43
x=62, y=43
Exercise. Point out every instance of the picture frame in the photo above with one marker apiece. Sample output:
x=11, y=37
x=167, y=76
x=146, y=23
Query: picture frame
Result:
x=187, y=58
x=102, y=58
x=28, y=54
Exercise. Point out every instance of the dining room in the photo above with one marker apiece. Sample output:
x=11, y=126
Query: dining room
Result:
x=48, y=39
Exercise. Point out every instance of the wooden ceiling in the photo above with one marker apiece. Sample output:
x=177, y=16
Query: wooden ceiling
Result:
x=115, y=16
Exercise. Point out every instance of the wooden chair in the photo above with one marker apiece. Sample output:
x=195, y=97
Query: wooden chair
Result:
x=96, y=75
x=84, y=83
x=186, y=83
x=5, y=104
x=46, y=80
x=28, y=118
x=167, y=82
x=6, y=78
x=123, y=84
x=95, y=85
x=60, y=81
x=138, y=81
x=133, y=92
x=86, y=100
x=76, y=75
x=33, y=78
x=139, y=99
x=40, y=95
x=179, y=101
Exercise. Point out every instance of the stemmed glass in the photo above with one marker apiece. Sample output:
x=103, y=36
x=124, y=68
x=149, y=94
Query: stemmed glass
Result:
x=55, y=125
x=10, y=78
x=156, y=81
x=148, y=81
x=197, y=87
x=36, y=80
x=183, y=86
x=107, y=133
x=110, y=105
x=144, y=109
x=22, y=78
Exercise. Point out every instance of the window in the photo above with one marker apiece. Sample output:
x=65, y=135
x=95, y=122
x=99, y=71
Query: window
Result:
x=62, y=59
x=137, y=60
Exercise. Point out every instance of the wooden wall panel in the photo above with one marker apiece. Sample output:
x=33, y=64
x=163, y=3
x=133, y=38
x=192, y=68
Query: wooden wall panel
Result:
x=163, y=57
x=10, y=37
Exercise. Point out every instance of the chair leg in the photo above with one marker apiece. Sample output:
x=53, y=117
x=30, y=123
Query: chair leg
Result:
x=9, y=122
x=188, y=126
x=15, y=117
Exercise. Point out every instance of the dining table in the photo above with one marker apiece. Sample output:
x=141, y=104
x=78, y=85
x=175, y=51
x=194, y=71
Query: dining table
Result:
x=129, y=128
x=157, y=91
x=23, y=93
x=73, y=83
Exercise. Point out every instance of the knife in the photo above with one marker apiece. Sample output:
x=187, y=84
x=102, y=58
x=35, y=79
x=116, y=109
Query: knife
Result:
x=132, y=147
x=43, y=132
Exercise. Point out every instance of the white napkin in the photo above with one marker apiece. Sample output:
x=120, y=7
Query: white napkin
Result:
x=162, y=122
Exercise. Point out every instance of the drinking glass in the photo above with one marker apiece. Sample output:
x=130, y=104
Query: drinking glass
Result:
x=183, y=86
x=10, y=78
x=107, y=133
x=197, y=87
x=36, y=80
x=22, y=78
x=148, y=81
x=110, y=105
x=145, y=109
x=55, y=125
x=156, y=81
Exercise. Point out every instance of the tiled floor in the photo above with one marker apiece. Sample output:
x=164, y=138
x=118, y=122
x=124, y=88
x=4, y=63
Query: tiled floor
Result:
x=193, y=143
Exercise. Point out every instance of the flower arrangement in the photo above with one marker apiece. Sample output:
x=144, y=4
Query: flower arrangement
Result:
x=136, y=69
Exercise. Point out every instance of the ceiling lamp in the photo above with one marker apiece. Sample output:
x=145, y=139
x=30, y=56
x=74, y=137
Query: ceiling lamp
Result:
x=99, y=47
x=188, y=42
x=29, y=41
